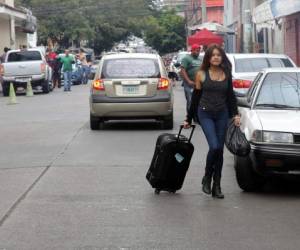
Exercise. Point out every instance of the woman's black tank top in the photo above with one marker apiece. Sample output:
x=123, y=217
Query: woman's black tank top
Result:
x=214, y=94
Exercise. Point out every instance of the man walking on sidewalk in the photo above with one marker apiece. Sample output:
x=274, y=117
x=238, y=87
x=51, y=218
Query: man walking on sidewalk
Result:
x=189, y=66
x=67, y=60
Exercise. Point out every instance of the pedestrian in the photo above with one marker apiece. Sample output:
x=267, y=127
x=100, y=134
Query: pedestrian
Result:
x=189, y=66
x=3, y=56
x=56, y=72
x=67, y=60
x=84, y=67
x=214, y=102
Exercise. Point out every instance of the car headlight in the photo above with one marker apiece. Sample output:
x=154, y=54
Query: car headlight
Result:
x=272, y=137
x=277, y=137
x=257, y=136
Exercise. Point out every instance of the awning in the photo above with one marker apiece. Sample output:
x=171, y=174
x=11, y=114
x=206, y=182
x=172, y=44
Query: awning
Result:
x=204, y=37
x=284, y=8
x=214, y=27
x=272, y=9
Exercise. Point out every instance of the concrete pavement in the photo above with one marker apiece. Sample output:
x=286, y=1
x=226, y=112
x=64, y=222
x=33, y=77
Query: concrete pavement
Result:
x=63, y=186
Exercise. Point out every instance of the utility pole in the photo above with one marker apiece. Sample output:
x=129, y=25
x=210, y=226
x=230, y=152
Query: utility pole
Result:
x=203, y=9
x=247, y=26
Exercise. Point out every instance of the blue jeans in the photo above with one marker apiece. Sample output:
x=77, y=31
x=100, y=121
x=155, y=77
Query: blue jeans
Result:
x=67, y=80
x=188, y=91
x=85, y=73
x=214, y=126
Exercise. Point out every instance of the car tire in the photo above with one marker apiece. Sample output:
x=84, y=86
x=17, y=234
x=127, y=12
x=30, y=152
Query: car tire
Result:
x=168, y=122
x=246, y=177
x=46, y=87
x=5, y=89
x=95, y=123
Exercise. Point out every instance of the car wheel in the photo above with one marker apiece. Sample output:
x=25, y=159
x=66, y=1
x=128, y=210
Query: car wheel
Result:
x=168, y=122
x=95, y=123
x=46, y=87
x=5, y=89
x=246, y=177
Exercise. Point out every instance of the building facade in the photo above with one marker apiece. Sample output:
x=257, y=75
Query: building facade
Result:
x=15, y=25
x=214, y=11
x=264, y=26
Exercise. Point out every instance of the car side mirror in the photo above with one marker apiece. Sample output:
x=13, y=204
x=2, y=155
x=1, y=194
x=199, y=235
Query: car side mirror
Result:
x=243, y=102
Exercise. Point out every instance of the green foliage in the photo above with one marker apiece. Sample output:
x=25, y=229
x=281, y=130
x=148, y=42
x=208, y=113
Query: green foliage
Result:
x=102, y=23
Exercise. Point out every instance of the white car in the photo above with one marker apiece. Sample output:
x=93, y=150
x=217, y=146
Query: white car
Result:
x=270, y=117
x=245, y=67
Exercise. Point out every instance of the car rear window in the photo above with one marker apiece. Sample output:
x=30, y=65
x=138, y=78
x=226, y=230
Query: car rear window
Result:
x=130, y=68
x=257, y=64
x=24, y=56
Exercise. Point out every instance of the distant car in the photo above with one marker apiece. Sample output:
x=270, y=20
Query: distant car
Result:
x=131, y=86
x=270, y=117
x=22, y=66
x=245, y=67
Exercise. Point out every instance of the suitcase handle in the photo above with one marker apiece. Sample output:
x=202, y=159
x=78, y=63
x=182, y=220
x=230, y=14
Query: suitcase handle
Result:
x=191, y=135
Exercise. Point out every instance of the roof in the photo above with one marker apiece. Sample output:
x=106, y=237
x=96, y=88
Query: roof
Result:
x=131, y=55
x=12, y=8
x=281, y=70
x=257, y=55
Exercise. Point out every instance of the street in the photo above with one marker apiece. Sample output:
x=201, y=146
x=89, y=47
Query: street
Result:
x=64, y=186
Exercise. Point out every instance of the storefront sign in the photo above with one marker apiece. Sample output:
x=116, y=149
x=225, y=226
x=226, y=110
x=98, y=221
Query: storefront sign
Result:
x=284, y=8
x=263, y=13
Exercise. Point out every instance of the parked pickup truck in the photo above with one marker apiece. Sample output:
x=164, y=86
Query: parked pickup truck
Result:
x=21, y=66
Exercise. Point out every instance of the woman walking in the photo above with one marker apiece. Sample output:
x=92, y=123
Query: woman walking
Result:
x=214, y=103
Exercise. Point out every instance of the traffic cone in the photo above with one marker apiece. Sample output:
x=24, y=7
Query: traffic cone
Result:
x=12, y=95
x=29, y=91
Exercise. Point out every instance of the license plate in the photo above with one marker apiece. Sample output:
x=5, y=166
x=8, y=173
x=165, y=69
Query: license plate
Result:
x=23, y=79
x=130, y=90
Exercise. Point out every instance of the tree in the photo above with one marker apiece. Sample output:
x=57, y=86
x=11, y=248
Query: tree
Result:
x=103, y=23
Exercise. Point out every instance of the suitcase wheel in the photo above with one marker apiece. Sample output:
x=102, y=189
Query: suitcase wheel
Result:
x=156, y=191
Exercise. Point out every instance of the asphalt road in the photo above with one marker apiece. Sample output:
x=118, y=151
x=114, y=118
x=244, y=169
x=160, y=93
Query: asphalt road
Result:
x=63, y=186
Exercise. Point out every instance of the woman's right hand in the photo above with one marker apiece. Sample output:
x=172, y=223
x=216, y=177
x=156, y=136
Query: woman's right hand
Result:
x=186, y=125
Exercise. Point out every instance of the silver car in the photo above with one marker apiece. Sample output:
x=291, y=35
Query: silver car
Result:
x=245, y=67
x=131, y=86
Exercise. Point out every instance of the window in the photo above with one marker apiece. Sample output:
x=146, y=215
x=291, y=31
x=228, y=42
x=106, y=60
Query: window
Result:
x=250, y=64
x=280, y=63
x=130, y=68
x=280, y=89
x=257, y=64
x=24, y=56
x=253, y=87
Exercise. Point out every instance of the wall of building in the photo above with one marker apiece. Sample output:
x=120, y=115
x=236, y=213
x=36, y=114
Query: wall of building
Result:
x=8, y=2
x=215, y=14
x=292, y=37
x=5, y=34
x=21, y=39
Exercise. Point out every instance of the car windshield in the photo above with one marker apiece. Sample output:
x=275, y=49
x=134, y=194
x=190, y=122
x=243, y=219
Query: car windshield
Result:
x=24, y=56
x=257, y=64
x=280, y=90
x=130, y=68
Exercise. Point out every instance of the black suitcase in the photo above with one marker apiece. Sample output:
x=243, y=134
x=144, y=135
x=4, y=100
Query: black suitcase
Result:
x=171, y=160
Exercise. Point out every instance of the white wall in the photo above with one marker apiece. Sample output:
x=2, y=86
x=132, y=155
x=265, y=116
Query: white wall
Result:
x=10, y=2
x=5, y=34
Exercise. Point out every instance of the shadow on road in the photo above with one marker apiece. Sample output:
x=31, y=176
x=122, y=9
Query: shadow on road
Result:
x=288, y=186
x=132, y=125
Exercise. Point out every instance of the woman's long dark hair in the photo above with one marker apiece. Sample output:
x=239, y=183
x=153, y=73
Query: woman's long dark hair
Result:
x=225, y=65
